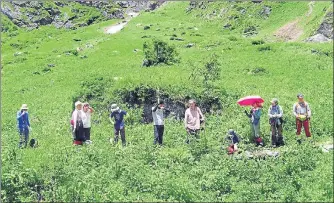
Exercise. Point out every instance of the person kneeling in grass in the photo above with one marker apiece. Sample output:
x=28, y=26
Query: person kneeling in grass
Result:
x=119, y=127
x=234, y=140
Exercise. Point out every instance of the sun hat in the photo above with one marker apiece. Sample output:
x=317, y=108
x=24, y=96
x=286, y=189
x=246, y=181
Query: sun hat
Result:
x=192, y=101
x=300, y=95
x=274, y=100
x=114, y=107
x=77, y=103
x=86, y=104
x=24, y=106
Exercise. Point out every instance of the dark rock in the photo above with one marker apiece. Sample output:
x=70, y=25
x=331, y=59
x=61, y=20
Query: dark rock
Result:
x=257, y=1
x=145, y=36
x=190, y=45
x=265, y=11
x=157, y=29
x=227, y=26
x=250, y=31
x=36, y=73
x=51, y=65
x=83, y=57
x=179, y=39
x=146, y=27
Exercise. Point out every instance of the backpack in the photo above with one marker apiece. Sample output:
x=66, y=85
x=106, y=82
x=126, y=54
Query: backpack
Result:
x=33, y=143
x=279, y=111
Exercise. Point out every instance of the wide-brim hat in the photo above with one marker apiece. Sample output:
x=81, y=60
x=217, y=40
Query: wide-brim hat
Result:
x=114, y=107
x=300, y=95
x=24, y=106
x=77, y=103
x=274, y=100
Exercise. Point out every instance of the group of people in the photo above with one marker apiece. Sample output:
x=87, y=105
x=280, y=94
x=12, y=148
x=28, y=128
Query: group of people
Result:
x=301, y=110
x=193, y=122
x=81, y=123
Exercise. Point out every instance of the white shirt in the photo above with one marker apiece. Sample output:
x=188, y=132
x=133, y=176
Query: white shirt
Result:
x=158, y=116
x=77, y=116
x=86, y=120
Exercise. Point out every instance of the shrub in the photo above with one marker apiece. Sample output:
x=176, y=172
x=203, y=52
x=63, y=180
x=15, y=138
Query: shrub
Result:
x=159, y=52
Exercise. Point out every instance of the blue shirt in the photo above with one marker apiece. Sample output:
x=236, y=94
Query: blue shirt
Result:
x=118, y=115
x=22, y=120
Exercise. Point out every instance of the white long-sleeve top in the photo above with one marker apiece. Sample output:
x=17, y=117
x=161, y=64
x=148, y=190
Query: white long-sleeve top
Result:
x=77, y=115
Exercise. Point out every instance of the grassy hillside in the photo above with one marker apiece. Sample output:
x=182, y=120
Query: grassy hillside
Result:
x=255, y=65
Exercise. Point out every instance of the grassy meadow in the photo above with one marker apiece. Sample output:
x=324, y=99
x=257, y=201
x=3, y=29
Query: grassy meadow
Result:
x=200, y=171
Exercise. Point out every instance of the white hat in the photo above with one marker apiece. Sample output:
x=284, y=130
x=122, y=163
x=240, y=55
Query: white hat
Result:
x=24, y=106
x=77, y=103
x=114, y=107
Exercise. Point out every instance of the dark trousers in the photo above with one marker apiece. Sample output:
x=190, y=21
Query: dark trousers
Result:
x=192, y=133
x=79, y=134
x=122, y=132
x=86, y=133
x=276, y=134
x=24, y=137
x=158, y=134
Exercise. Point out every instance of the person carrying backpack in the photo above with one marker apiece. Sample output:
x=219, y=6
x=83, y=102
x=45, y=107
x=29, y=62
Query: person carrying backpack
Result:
x=255, y=115
x=302, y=112
x=275, y=113
x=119, y=127
x=193, y=119
x=158, y=122
x=23, y=125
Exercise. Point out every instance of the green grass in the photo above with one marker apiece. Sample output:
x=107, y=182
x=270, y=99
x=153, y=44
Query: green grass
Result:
x=176, y=172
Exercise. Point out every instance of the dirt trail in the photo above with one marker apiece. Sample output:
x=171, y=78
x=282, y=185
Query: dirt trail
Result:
x=291, y=31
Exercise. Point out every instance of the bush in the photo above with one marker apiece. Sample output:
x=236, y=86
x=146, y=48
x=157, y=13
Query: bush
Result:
x=159, y=52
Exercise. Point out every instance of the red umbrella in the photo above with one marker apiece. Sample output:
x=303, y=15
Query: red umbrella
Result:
x=250, y=100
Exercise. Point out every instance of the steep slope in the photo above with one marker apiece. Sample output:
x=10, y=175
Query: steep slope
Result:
x=49, y=68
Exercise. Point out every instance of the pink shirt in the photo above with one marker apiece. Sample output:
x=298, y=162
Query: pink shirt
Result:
x=192, y=118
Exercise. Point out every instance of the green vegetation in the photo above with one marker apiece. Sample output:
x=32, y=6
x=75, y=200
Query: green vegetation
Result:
x=235, y=65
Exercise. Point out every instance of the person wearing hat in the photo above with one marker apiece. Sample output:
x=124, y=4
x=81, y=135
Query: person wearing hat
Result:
x=255, y=115
x=158, y=122
x=275, y=113
x=23, y=125
x=119, y=127
x=78, y=116
x=302, y=112
x=87, y=110
x=192, y=120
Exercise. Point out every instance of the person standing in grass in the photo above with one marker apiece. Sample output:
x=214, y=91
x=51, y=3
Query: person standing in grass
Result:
x=275, y=113
x=255, y=115
x=88, y=110
x=78, y=116
x=23, y=125
x=158, y=122
x=302, y=112
x=119, y=127
x=192, y=120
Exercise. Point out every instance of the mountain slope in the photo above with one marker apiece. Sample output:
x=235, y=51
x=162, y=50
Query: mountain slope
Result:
x=44, y=69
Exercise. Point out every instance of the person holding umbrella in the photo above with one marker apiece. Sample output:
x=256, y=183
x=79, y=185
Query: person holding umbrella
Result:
x=254, y=115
